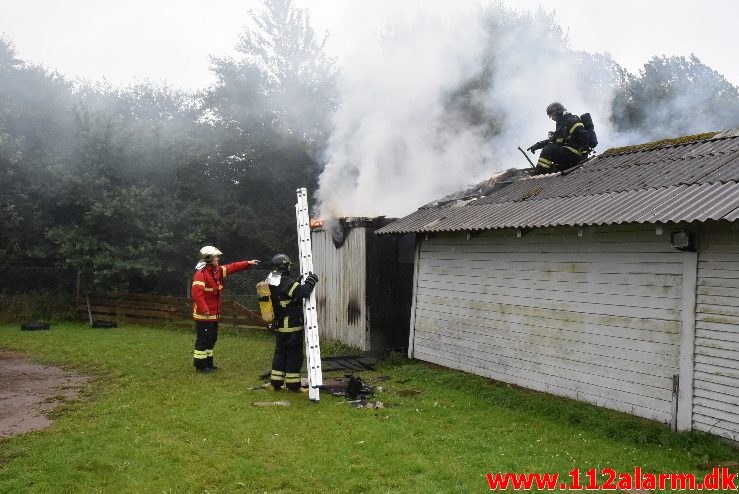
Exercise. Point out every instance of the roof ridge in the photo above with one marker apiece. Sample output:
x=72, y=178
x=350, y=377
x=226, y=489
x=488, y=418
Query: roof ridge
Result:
x=662, y=144
x=532, y=193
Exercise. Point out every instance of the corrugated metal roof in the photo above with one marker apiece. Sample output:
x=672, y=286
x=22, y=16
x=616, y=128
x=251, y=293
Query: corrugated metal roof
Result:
x=692, y=181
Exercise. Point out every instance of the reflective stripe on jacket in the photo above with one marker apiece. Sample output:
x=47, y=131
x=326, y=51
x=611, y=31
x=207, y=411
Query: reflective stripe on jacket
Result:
x=571, y=133
x=287, y=301
x=207, y=285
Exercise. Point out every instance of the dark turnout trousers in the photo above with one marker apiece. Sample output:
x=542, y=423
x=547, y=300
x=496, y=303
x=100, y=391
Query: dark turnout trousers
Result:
x=288, y=360
x=206, y=335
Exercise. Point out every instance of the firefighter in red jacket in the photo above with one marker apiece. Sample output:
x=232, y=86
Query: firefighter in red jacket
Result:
x=207, y=290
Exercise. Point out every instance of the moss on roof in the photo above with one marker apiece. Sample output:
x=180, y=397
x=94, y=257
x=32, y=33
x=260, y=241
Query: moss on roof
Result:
x=659, y=144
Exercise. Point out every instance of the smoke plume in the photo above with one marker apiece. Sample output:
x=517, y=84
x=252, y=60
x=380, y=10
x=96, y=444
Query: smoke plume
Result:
x=442, y=99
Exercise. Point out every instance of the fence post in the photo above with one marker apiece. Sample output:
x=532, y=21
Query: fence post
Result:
x=77, y=288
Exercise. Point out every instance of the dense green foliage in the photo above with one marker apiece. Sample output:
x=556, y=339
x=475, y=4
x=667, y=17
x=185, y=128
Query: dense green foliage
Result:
x=147, y=423
x=129, y=182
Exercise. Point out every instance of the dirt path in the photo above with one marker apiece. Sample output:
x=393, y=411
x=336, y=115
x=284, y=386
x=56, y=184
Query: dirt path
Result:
x=28, y=391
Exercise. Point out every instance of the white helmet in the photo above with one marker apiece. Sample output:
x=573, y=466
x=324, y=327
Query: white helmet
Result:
x=208, y=252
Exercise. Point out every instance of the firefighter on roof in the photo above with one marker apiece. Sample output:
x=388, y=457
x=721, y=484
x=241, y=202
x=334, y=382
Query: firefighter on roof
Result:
x=569, y=144
x=207, y=290
x=287, y=301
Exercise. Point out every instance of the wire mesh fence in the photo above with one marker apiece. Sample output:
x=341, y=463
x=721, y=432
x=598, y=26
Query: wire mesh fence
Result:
x=241, y=287
x=37, y=293
x=43, y=294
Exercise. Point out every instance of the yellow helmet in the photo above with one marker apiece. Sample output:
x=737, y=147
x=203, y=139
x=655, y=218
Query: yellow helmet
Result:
x=208, y=252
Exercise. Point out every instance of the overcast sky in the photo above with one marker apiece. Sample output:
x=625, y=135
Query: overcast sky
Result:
x=170, y=40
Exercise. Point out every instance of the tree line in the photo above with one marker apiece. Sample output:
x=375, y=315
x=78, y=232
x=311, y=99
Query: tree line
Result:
x=129, y=182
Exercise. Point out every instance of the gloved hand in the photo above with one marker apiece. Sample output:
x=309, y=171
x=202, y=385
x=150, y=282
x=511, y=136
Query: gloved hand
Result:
x=551, y=135
x=311, y=279
x=539, y=145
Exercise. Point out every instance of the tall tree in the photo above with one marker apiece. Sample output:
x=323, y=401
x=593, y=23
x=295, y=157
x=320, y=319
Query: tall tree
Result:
x=677, y=96
x=35, y=140
x=268, y=117
x=282, y=77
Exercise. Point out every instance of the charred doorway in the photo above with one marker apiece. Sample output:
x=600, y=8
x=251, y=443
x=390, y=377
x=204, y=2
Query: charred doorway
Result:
x=364, y=296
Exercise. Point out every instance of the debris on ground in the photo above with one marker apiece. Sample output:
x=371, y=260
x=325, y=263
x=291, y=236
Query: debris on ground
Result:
x=366, y=404
x=334, y=387
x=355, y=387
x=409, y=392
x=350, y=386
x=263, y=387
x=271, y=403
x=348, y=363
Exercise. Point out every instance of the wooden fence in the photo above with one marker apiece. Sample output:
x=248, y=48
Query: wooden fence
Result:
x=158, y=309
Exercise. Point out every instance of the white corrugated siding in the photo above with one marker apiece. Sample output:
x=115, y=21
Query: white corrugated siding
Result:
x=595, y=317
x=716, y=374
x=341, y=293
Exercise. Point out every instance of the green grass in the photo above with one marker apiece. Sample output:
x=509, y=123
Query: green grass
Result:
x=148, y=423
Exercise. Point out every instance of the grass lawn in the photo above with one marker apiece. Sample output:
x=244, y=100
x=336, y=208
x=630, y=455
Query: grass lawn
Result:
x=148, y=424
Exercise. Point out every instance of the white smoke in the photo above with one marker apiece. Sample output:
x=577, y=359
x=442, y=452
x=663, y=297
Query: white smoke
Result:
x=391, y=147
x=396, y=144
x=531, y=70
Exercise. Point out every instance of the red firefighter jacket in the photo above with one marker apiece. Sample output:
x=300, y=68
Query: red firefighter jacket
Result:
x=207, y=287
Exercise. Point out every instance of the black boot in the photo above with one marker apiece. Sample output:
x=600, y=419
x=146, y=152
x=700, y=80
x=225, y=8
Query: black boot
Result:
x=209, y=364
x=201, y=366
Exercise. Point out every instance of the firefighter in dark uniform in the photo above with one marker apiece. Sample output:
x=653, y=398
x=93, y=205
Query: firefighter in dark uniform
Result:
x=207, y=289
x=566, y=146
x=287, y=301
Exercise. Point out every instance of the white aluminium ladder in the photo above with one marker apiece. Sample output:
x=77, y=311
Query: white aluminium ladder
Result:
x=313, y=348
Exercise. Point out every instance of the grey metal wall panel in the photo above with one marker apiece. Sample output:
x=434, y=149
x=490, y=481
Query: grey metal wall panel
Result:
x=595, y=317
x=716, y=381
x=341, y=292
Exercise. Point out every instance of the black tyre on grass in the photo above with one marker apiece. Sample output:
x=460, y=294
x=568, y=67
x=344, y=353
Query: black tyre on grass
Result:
x=104, y=324
x=35, y=326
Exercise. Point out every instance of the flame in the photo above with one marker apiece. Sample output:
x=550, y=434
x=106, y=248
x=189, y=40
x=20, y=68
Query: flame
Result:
x=316, y=222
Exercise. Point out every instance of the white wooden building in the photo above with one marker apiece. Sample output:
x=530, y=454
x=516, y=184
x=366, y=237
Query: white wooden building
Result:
x=616, y=283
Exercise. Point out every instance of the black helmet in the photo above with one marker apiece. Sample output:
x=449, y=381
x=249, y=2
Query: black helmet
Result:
x=281, y=262
x=555, y=107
